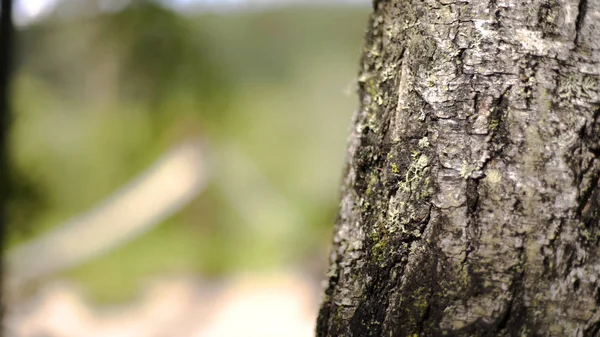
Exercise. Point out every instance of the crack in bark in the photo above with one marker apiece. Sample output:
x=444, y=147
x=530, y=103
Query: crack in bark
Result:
x=498, y=114
x=515, y=287
x=593, y=330
x=426, y=315
x=582, y=11
x=472, y=211
x=590, y=203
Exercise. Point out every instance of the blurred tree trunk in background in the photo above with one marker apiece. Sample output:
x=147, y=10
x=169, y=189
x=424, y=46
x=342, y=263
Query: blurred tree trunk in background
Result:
x=470, y=203
x=6, y=31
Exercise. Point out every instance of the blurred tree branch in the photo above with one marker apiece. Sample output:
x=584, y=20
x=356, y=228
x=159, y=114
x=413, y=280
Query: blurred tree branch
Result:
x=6, y=32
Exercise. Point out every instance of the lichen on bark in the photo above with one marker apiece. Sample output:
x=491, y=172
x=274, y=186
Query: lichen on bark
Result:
x=470, y=200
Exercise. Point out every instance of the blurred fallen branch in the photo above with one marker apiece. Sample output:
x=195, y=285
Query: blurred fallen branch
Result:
x=260, y=204
x=168, y=185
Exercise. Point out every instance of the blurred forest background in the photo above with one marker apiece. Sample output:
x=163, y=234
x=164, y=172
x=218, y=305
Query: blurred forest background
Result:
x=102, y=90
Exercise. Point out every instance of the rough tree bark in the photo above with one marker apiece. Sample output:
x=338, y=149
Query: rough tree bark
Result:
x=470, y=204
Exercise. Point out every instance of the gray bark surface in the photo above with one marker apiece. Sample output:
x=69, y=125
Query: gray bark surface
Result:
x=470, y=200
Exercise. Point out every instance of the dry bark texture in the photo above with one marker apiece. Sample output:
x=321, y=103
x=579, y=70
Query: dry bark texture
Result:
x=470, y=204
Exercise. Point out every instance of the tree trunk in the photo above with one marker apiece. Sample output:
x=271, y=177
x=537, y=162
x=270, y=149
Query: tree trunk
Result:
x=470, y=204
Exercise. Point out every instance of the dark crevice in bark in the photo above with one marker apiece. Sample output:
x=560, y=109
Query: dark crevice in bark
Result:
x=515, y=308
x=576, y=284
x=589, y=197
x=426, y=314
x=550, y=269
x=582, y=11
x=591, y=134
x=476, y=103
x=570, y=255
x=500, y=135
x=323, y=320
x=511, y=322
x=593, y=330
x=505, y=318
x=472, y=196
x=591, y=208
x=472, y=211
x=420, y=307
x=587, y=194
x=368, y=317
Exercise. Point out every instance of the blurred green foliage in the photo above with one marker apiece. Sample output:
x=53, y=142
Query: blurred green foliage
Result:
x=99, y=99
